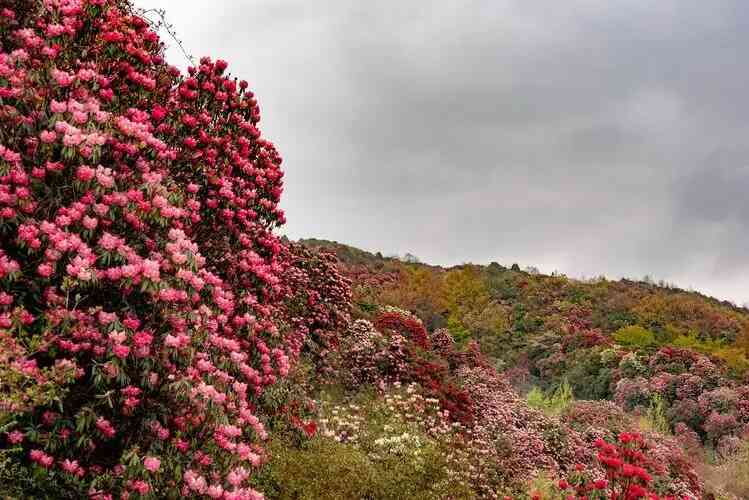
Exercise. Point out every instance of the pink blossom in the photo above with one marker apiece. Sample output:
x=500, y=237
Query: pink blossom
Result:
x=105, y=427
x=58, y=106
x=151, y=464
x=150, y=270
x=69, y=466
x=215, y=491
x=140, y=486
x=15, y=437
x=62, y=78
x=90, y=222
x=41, y=458
x=45, y=270
x=85, y=173
x=48, y=136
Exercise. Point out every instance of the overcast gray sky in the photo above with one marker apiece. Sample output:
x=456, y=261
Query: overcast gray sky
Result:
x=589, y=137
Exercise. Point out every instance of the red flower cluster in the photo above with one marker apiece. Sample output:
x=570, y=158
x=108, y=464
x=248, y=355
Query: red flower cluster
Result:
x=309, y=427
x=626, y=468
x=404, y=323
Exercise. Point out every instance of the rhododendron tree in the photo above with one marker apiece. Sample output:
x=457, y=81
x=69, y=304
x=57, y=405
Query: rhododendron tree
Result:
x=141, y=285
x=318, y=298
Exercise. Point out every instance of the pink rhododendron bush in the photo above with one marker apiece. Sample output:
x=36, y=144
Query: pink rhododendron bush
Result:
x=142, y=311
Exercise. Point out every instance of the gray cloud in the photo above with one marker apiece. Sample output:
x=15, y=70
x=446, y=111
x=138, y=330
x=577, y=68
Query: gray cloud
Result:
x=585, y=137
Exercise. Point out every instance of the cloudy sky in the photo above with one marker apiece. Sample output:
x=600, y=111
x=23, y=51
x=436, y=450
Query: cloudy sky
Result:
x=586, y=136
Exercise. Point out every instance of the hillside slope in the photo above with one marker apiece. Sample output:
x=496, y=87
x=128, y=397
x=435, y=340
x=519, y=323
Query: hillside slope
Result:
x=648, y=348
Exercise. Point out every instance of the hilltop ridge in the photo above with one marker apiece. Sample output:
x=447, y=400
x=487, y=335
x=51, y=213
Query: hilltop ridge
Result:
x=351, y=255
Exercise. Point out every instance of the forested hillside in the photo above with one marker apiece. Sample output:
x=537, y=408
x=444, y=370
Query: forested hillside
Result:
x=649, y=348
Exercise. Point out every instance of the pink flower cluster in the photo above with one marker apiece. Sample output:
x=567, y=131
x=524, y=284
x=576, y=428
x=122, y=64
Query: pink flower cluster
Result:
x=698, y=395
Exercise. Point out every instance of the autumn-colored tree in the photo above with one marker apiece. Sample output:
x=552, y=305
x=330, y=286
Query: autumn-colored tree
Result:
x=463, y=293
x=417, y=289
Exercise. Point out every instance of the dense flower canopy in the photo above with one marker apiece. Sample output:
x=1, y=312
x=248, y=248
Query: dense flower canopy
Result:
x=140, y=281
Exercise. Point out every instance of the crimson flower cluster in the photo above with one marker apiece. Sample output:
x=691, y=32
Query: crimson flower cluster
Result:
x=404, y=323
x=627, y=472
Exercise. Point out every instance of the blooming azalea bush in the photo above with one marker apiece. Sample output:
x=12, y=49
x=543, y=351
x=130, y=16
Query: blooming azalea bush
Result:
x=318, y=298
x=142, y=292
x=395, y=352
x=430, y=366
x=597, y=419
x=369, y=357
x=627, y=472
x=405, y=323
x=673, y=458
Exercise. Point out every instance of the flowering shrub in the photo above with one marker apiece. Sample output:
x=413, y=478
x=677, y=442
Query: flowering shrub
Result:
x=379, y=357
x=673, y=470
x=629, y=471
x=319, y=296
x=439, y=383
x=141, y=287
x=521, y=441
x=581, y=338
x=597, y=419
x=405, y=323
x=318, y=301
x=718, y=425
x=399, y=445
x=693, y=390
x=687, y=438
x=672, y=360
x=368, y=357
x=632, y=393
x=442, y=342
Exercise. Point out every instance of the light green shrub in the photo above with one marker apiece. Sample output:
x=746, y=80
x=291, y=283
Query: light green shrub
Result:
x=536, y=398
x=656, y=418
x=556, y=402
x=635, y=336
